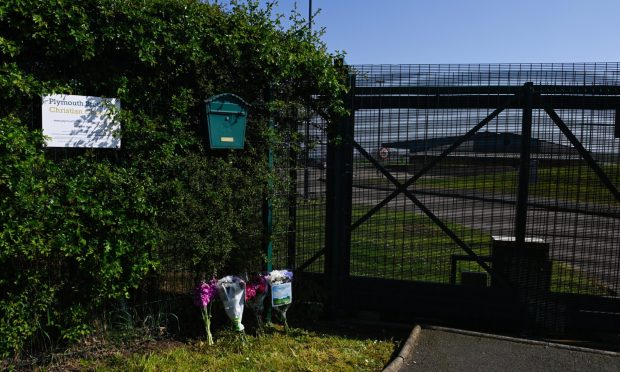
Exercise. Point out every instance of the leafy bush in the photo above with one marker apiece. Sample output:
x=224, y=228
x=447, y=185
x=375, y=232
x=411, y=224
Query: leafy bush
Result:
x=79, y=229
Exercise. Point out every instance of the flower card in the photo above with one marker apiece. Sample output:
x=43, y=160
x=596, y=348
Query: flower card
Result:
x=281, y=294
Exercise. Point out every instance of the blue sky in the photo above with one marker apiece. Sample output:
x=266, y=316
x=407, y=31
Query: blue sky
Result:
x=468, y=31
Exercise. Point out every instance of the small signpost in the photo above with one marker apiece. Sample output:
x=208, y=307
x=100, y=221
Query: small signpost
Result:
x=384, y=153
x=80, y=121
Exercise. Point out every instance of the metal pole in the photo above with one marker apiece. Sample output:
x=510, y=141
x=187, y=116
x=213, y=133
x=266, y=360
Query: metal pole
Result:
x=617, y=124
x=310, y=15
x=524, y=164
x=307, y=131
x=380, y=82
x=306, y=153
x=268, y=205
x=291, y=262
x=268, y=212
x=338, y=205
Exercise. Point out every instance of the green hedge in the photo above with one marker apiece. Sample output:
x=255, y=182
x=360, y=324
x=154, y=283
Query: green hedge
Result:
x=79, y=229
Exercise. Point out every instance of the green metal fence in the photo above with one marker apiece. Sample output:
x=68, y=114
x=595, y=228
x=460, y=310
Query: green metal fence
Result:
x=439, y=165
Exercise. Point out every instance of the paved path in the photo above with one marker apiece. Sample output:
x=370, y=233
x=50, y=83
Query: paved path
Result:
x=440, y=350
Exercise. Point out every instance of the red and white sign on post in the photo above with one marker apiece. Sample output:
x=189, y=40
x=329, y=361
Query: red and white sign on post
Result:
x=384, y=153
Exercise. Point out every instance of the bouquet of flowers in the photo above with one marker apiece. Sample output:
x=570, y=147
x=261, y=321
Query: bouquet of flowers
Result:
x=232, y=293
x=255, y=293
x=204, y=294
x=281, y=282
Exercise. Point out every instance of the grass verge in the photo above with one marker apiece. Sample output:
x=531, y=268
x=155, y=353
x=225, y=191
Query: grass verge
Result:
x=299, y=350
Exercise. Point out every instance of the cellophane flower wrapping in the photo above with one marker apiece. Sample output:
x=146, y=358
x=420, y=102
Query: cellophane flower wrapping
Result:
x=231, y=290
x=277, y=278
x=255, y=293
x=204, y=295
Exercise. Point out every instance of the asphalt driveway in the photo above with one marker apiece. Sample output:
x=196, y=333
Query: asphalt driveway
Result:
x=448, y=350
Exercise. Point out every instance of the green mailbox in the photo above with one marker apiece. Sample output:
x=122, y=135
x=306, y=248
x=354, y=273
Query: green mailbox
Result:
x=226, y=118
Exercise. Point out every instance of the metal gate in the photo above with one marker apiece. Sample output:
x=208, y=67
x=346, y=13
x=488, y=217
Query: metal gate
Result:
x=478, y=195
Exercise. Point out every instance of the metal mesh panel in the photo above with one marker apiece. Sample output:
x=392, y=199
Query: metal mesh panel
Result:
x=299, y=213
x=284, y=201
x=311, y=189
x=407, y=116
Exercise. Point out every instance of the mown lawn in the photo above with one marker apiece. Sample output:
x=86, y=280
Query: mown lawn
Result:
x=407, y=245
x=299, y=350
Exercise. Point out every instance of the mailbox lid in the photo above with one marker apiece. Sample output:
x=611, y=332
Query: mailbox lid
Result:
x=226, y=118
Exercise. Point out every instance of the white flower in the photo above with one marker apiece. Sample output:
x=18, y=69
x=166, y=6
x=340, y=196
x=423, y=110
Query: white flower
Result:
x=280, y=276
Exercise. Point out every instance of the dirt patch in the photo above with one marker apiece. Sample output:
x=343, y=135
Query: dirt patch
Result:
x=90, y=349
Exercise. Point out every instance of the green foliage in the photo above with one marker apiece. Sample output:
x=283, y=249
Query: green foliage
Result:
x=81, y=229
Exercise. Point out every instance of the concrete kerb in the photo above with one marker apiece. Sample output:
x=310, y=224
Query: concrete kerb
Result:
x=405, y=351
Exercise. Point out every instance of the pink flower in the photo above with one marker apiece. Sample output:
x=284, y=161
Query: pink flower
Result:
x=204, y=293
x=260, y=283
x=255, y=286
x=262, y=287
x=250, y=292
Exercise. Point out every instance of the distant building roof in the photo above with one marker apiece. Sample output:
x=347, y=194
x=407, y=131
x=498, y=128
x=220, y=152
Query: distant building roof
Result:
x=483, y=142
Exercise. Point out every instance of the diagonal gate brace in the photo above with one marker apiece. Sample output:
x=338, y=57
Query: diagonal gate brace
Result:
x=424, y=209
x=403, y=188
x=582, y=151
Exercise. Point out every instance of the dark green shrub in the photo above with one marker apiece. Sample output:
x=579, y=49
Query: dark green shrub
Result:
x=80, y=229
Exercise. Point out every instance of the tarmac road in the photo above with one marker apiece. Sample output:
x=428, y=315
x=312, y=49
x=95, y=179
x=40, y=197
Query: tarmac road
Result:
x=442, y=350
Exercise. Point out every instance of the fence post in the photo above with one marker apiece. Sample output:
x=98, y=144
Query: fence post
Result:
x=267, y=203
x=338, y=204
x=267, y=210
x=617, y=124
x=524, y=163
x=291, y=261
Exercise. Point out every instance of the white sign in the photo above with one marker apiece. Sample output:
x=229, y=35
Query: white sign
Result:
x=80, y=121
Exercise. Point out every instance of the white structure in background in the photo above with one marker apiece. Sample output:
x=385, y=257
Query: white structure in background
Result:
x=80, y=121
